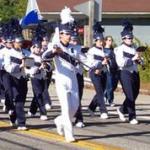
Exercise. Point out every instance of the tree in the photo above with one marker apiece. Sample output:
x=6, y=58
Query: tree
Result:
x=12, y=8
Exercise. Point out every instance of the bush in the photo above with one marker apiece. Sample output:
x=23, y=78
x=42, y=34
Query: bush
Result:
x=144, y=74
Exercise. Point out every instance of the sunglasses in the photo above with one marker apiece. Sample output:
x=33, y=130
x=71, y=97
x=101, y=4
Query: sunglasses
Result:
x=128, y=38
x=66, y=33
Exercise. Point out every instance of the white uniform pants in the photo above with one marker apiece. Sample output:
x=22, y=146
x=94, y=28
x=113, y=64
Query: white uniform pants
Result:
x=69, y=102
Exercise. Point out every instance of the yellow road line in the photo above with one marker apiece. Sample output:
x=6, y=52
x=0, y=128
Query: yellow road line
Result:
x=3, y=124
x=47, y=135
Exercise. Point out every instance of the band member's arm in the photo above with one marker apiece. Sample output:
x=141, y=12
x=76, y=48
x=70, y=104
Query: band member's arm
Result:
x=12, y=67
x=123, y=61
x=92, y=63
x=47, y=66
x=52, y=51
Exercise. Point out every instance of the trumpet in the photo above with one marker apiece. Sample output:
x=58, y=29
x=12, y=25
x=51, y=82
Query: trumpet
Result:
x=140, y=61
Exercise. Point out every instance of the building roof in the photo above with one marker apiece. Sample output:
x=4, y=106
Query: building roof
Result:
x=107, y=5
x=57, y=5
x=126, y=6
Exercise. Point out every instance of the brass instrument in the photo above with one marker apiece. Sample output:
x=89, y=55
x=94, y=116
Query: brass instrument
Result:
x=140, y=61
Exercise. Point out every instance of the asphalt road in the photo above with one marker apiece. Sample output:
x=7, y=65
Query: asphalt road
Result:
x=98, y=134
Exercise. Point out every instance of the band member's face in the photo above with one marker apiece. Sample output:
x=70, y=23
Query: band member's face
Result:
x=74, y=42
x=9, y=44
x=37, y=50
x=99, y=43
x=109, y=41
x=17, y=44
x=128, y=41
x=44, y=42
x=65, y=37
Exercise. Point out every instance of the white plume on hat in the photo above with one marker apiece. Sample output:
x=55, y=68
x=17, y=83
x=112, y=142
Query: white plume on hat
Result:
x=65, y=16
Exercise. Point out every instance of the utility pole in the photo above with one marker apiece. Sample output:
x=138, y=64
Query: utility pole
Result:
x=92, y=9
x=91, y=21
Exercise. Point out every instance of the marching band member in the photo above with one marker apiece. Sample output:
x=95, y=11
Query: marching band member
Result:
x=127, y=57
x=2, y=93
x=66, y=83
x=98, y=63
x=47, y=80
x=6, y=77
x=47, y=99
x=14, y=65
x=79, y=70
x=66, y=80
x=38, y=75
